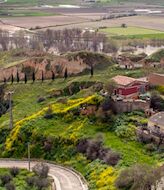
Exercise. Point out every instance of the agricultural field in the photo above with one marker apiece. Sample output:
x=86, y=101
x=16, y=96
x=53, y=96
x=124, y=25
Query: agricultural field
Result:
x=24, y=13
x=102, y=2
x=47, y=21
x=149, y=22
x=133, y=32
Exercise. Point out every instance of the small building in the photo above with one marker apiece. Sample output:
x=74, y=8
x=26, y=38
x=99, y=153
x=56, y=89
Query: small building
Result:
x=156, y=123
x=156, y=79
x=128, y=87
x=130, y=61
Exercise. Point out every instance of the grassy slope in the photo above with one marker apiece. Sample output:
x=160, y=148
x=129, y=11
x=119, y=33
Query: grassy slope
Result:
x=25, y=104
x=25, y=98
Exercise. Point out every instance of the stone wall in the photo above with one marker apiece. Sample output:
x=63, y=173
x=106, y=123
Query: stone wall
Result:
x=130, y=105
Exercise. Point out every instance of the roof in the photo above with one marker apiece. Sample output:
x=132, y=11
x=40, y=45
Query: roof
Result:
x=123, y=80
x=158, y=119
x=143, y=79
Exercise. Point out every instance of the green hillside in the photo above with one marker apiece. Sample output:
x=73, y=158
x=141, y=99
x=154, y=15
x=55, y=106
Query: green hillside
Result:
x=48, y=115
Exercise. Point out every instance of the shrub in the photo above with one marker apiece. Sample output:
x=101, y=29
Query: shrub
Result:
x=160, y=89
x=41, y=184
x=93, y=149
x=31, y=181
x=126, y=131
x=5, y=179
x=14, y=171
x=49, y=113
x=157, y=102
x=139, y=177
x=143, y=137
x=41, y=99
x=112, y=158
x=150, y=147
x=10, y=186
x=41, y=170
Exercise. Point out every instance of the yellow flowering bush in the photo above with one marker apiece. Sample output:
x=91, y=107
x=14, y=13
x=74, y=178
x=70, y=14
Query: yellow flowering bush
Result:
x=107, y=178
x=161, y=89
x=100, y=176
x=57, y=108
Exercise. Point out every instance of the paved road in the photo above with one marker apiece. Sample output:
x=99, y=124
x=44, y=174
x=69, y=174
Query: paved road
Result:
x=65, y=179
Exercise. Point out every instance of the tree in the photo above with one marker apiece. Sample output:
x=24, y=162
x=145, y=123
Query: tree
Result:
x=25, y=78
x=41, y=170
x=10, y=186
x=33, y=76
x=18, y=78
x=123, y=25
x=53, y=75
x=42, y=76
x=5, y=179
x=139, y=177
x=66, y=74
x=110, y=87
x=14, y=171
x=4, y=80
x=12, y=78
x=42, y=184
x=92, y=72
x=157, y=102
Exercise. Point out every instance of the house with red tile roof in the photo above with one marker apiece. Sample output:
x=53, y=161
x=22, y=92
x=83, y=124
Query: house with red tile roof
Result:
x=128, y=87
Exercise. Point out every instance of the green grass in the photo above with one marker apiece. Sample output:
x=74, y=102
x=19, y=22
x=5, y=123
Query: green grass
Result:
x=25, y=104
x=24, y=13
x=128, y=31
x=132, y=33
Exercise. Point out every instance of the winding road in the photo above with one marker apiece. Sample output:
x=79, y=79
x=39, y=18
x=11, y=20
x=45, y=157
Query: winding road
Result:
x=64, y=178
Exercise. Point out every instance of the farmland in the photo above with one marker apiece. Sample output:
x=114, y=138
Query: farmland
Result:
x=133, y=32
x=58, y=95
x=100, y=2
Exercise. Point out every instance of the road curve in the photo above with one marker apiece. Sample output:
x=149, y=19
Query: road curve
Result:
x=65, y=179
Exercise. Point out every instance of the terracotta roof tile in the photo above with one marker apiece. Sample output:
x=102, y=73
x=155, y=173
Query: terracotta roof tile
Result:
x=123, y=80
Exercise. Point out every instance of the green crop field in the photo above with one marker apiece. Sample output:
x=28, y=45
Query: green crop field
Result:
x=23, y=13
x=132, y=32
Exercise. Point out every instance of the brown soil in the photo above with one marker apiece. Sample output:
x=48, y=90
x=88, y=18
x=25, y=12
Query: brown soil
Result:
x=39, y=65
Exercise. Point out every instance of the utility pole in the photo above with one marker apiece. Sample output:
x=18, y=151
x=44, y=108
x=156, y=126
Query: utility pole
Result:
x=10, y=93
x=29, y=164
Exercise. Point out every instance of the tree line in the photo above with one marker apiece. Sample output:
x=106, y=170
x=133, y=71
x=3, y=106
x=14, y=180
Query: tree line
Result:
x=17, y=79
x=58, y=41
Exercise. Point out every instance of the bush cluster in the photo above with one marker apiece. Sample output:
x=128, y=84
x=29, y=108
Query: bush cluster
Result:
x=93, y=149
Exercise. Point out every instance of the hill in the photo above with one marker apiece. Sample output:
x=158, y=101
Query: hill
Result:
x=29, y=62
x=63, y=118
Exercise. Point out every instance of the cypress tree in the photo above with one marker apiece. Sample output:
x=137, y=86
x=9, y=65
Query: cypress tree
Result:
x=4, y=80
x=18, y=79
x=66, y=74
x=42, y=76
x=53, y=76
x=12, y=78
x=25, y=78
x=33, y=77
x=92, y=72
